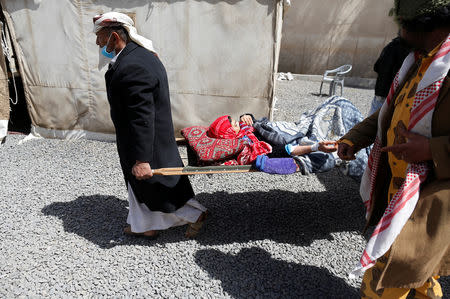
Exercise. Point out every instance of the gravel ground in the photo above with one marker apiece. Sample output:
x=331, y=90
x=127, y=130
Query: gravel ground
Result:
x=64, y=206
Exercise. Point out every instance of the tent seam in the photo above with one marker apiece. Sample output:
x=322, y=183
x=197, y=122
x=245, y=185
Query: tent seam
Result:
x=88, y=71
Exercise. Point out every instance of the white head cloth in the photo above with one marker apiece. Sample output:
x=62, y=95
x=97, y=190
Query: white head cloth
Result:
x=119, y=19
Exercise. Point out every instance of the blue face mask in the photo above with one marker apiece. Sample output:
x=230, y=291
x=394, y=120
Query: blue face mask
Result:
x=107, y=54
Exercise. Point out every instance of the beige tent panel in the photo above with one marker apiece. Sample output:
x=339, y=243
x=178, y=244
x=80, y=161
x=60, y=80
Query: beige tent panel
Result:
x=220, y=56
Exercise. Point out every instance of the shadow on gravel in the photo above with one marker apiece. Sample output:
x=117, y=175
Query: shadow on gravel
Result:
x=286, y=217
x=254, y=273
x=316, y=94
x=282, y=216
x=97, y=218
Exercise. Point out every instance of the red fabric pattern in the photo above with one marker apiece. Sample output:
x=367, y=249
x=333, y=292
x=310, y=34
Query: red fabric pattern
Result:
x=251, y=151
x=247, y=130
x=221, y=128
x=211, y=150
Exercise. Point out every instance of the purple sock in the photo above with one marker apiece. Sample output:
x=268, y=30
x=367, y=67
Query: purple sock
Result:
x=276, y=165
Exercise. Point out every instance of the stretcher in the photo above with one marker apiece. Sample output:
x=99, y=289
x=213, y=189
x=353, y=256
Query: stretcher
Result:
x=191, y=170
x=315, y=123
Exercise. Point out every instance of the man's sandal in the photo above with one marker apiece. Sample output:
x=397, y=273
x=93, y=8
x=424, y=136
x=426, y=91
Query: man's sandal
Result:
x=150, y=234
x=194, y=228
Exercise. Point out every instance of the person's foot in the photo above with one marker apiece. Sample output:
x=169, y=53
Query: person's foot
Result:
x=150, y=234
x=194, y=228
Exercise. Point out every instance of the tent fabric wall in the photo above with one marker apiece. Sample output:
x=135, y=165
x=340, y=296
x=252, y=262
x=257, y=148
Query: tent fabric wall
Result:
x=220, y=58
x=4, y=95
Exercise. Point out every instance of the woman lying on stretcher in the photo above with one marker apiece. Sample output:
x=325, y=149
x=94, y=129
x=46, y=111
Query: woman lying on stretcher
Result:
x=267, y=158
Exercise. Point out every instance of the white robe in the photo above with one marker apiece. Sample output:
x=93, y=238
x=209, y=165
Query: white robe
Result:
x=141, y=219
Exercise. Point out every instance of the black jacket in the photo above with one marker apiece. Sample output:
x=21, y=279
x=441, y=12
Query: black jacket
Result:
x=138, y=94
x=388, y=64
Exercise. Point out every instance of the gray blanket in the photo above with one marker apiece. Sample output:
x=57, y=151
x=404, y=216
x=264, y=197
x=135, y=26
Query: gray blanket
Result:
x=330, y=121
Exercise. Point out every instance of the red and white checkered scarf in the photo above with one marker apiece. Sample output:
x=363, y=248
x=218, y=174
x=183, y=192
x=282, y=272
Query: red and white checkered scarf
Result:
x=404, y=201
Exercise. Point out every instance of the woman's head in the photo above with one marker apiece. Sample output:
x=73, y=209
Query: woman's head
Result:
x=224, y=127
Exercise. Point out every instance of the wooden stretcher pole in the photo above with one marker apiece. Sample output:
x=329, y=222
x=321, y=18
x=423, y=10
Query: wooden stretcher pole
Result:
x=190, y=170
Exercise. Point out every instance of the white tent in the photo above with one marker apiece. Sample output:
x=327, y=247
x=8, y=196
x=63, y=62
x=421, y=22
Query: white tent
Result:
x=221, y=57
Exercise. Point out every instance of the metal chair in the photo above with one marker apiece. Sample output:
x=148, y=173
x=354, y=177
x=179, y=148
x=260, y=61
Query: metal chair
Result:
x=335, y=77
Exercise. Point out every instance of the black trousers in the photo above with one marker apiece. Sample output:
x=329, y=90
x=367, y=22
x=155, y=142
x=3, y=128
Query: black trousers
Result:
x=278, y=151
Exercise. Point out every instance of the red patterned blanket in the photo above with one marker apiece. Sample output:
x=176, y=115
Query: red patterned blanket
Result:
x=212, y=151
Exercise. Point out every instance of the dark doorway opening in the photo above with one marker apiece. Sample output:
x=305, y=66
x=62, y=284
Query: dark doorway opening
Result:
x=19, y=121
